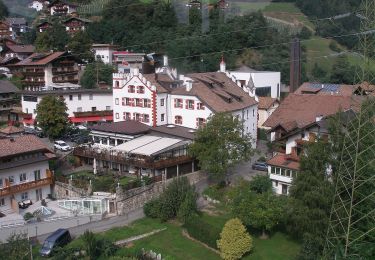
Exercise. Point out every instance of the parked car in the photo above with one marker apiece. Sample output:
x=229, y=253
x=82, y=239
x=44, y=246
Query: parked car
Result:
x=24, y=204
x=35, y=131
x=59, y=238
x=260, y=166
x=61, y=145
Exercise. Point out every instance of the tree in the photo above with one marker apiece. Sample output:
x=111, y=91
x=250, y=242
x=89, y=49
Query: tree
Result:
x=95, y=73
x=54, y=38
x=3, y=10
x=261, y=184
x=52, y=116
x=188, y=207
x=80, y=45
x=221, y=144
x=234, y=240
x=318, y=74
x=262, y=211
x=342, y=71
x=16, y=247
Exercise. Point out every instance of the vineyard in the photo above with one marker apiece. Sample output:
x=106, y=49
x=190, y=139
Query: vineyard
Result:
x=94, y=8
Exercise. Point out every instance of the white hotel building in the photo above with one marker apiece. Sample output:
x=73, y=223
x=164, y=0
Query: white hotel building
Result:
x=163, y=98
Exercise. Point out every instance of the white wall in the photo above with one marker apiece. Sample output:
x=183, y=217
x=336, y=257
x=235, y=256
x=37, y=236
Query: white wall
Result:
x=163, y=109
x=122, y=92
x=249, y=117
x=99, y=100
x=265, y=114
x=105, y=54
x=261, y=79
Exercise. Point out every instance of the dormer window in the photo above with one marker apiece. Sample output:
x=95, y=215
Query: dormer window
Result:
x=131, y=89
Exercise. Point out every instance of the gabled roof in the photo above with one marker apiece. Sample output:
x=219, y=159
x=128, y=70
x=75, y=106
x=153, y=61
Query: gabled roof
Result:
x=21, y=48
x=16, y=21
x=79, y=19
x=266, y=102
x=129, y=127
x=284, y=161
x=41, y=58
x=299, y=110
x=7, y=87
x=217, y=91
x=11, y=130
x=61, y=1
x=20, y=145
x=45, y=22
x=325, y=89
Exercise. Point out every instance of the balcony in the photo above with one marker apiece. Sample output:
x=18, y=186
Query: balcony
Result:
x=137, y=161
x=73, y=81
x=13, y=189
x=64, y=70
x=34, y=72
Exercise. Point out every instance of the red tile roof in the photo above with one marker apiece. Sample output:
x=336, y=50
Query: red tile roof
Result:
x=266, y=102
x=299, y=110
x=20, y=145
x=284, y=161
x=21, y=48
x=11, y=130
x=40, y=58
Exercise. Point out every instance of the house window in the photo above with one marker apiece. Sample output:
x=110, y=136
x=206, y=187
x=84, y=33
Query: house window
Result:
x=116, y=101
x=24, y=196
x=138, y=102
x=93, y=109
x=11, y=179
x=273, y=169
x=178, y=120
x=131, y=89
x=2, y=202
x=253, y=112
x=200, y=106
x=37, y=175
x=117, y=116
x=146, y=102
x=247, y=114
x=162, y=117
x=178, y=102
x=91, y=97
x=141, y=89
x=108, y=108
x=137, y=116
x=79, y=109
x=126, y=116
x=189, y=104
x=79, y=96
x=1, y=183
x=70, y=97
x=117, y=84
x=146, y=118
x=129, y=101
x=22, y=177
x=200, y=122
x=162, y=102
x=276, y=183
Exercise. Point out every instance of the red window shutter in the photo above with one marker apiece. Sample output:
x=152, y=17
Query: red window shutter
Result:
x=193, y=104
x=132, y=102
x=124, y=116
x=123, y=101
x=180, y=120
x=175, y=103
x=187, y=104
x=149, y=103
x=197, y=122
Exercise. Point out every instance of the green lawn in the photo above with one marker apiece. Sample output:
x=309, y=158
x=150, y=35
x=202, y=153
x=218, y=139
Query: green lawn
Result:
x=282, y=7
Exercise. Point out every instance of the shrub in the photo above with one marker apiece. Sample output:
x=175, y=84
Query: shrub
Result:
x=28, y=216
x=188, y=207
x=152, y=208
x=262, y=134
x=214, y=192
x=234, y=240
x=261, y=184
x=203, y=231
x=334, y=46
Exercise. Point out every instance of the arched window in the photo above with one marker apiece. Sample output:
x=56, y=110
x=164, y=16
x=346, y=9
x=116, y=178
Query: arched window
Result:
x=178, y=120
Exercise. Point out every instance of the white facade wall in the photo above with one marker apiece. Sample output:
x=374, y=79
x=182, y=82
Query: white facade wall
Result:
x=189, y=116
x=163, y=110
x=278, y=181
x=265, y=114
x=101, y=101
x=261, y=79
x=123, y=92
x=29, y=170
x=104, y=53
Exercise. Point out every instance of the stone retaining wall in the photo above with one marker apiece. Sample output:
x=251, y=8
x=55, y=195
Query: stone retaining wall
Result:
x=66, y=191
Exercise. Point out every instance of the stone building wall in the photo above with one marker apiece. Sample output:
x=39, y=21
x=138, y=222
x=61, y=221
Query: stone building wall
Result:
x=136, y=198
x=66, y=191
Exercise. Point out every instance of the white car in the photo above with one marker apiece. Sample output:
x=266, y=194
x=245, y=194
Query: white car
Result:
x=61, y=145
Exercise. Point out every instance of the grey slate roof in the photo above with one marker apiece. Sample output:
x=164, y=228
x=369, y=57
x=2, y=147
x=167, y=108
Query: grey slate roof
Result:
x=7, y=87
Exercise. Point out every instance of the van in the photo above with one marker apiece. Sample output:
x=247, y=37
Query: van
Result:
x=59, y=238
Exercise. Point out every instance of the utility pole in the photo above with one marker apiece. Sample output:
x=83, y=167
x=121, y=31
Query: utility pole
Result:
x=97, y=74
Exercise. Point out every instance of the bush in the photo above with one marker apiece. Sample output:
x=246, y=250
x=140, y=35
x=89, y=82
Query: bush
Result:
x=152, y=208
x=334, y=46
x=261, y=184
x=28, y=216
x=188, y=207
x=262, y=134
x=203, y=231
x=305, y=33
x=214, y=192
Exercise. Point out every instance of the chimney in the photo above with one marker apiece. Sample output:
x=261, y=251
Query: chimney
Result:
x=222, y=65
x=165, y=60
x=189, y=85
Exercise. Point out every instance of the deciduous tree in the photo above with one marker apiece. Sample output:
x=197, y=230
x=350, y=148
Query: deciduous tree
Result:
x=234, y=240
x=52, y=116
x=96, y=72
x=220, y=144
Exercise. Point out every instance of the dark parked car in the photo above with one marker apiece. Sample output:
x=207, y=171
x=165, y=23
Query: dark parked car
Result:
x=260, y=166
x=59, y=238
x=24, y=204
x=34, y=131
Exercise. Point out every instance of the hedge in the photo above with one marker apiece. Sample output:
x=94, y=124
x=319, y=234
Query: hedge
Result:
x=203, y=231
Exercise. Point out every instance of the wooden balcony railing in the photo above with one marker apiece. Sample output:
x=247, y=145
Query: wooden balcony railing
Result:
x=137, y=161
x=9, y=190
